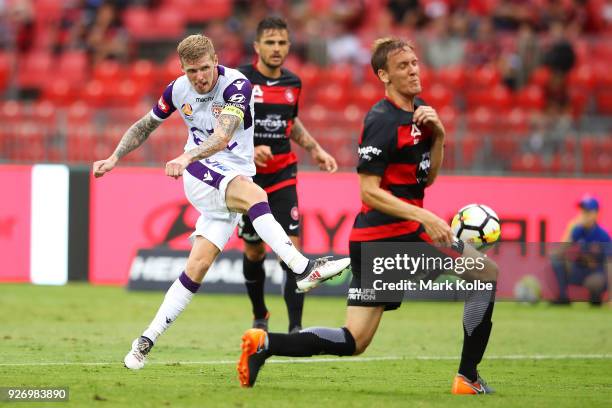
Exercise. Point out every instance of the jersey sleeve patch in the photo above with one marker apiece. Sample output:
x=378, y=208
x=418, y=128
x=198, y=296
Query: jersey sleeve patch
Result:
x=374, y=149
x=164, y=106
x=238, y=95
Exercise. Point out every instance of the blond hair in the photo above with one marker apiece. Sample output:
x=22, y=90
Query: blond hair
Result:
x=194, y=47
x=381, y=49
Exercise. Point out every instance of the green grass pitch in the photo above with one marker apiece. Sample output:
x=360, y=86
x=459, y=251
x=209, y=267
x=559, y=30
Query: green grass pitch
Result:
x=77, y=335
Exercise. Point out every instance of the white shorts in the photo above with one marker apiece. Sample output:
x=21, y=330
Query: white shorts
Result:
x=205, y=185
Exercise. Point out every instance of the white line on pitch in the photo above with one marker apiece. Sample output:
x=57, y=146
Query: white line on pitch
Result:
x=333, y=360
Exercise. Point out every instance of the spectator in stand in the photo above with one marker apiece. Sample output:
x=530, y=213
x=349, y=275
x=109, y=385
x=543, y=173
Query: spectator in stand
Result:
x=106, y=37
x=442, y=46
x=21, y=23
x=560, y=58
x=585, y=255
x=485, y=48
x=407, y=13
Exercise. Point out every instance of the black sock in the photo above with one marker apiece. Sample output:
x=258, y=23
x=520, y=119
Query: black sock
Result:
x=254, y=279
x=312, y=341
x=294, y=301
x=477, y=325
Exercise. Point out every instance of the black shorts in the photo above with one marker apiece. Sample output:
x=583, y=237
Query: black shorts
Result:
x=355, y=293
x=284, y=206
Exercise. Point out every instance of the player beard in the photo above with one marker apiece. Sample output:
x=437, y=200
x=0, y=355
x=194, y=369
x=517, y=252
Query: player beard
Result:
x=268, y=62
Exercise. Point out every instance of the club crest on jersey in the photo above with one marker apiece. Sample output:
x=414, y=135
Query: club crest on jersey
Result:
x=295, y=214
x=187, y=110
x=415, y=132
x=289, y=95
x=257, y=94
x=216, y=108
x=161, y=104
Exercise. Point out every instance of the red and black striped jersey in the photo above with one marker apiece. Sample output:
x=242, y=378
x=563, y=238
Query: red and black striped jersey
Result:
x=276, y=107
x=394, y=148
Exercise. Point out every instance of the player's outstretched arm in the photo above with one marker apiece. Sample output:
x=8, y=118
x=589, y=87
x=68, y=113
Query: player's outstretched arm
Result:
x=226, y=126
x=379, y=199
x=132, y=138
x=302, y=137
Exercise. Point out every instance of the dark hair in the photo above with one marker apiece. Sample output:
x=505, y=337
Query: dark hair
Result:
x=382, y=48
x=270, y=23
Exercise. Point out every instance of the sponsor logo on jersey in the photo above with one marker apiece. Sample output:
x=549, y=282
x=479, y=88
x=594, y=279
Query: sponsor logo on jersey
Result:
x=239, y=84
x=366, y=152
x=161, y=104
x=272, y=83
x=187, y=109
x=237, y=98
x=271, y=123
x=207, y=99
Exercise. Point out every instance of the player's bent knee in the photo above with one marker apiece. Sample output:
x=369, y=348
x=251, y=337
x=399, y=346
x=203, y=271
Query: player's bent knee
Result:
x=196, y=269
x=255, y=252
x=361, y=345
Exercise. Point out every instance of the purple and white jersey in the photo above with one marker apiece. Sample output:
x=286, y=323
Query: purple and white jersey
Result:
x=232, y=94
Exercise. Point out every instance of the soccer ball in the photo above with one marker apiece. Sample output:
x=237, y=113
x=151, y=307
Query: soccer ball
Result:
x=477, y=225
x=528, y=290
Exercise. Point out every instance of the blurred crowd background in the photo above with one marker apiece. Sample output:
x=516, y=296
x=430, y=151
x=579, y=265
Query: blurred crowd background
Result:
x=522, y=86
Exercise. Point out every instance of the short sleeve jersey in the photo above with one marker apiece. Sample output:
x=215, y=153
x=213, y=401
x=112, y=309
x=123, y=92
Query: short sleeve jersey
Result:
x=392, y=147
x=232, y=93
x=276, y=107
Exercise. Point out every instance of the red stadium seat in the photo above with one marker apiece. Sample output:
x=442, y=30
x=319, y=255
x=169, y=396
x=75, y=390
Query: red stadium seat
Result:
x=78, y=114
x=564, y=163
x=332, y=97
x=73, y=65
x=139, y=23
x=453, y=77
x=108, y=72
x=195, y=11
x=31, y=69
x=437, y=96
x=469, y=145
x=366, y=95
x=5, y=70
x=540, y=77
x=448, y=115
x=481, y=119
x=581, y=77
x=310, y=75
x=94, y=93
x=47, y=11
x=168, y=73
x=531, y=97
x=43, y=114
x=578, y=101
x=126, y=93
x=604, y=102
x=600, y=163
x=169, y=22
x=500, y=98
x=517, y=120
x=341, y=75
x=60, y=92
x=484, y=77
x=143, y=72
x=527, y=163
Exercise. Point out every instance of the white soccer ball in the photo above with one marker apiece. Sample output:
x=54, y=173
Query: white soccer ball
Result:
x=477, y=225
x=528, y=289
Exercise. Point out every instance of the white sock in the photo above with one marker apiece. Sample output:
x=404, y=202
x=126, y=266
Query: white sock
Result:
x=273, y=234
x=177, y=298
